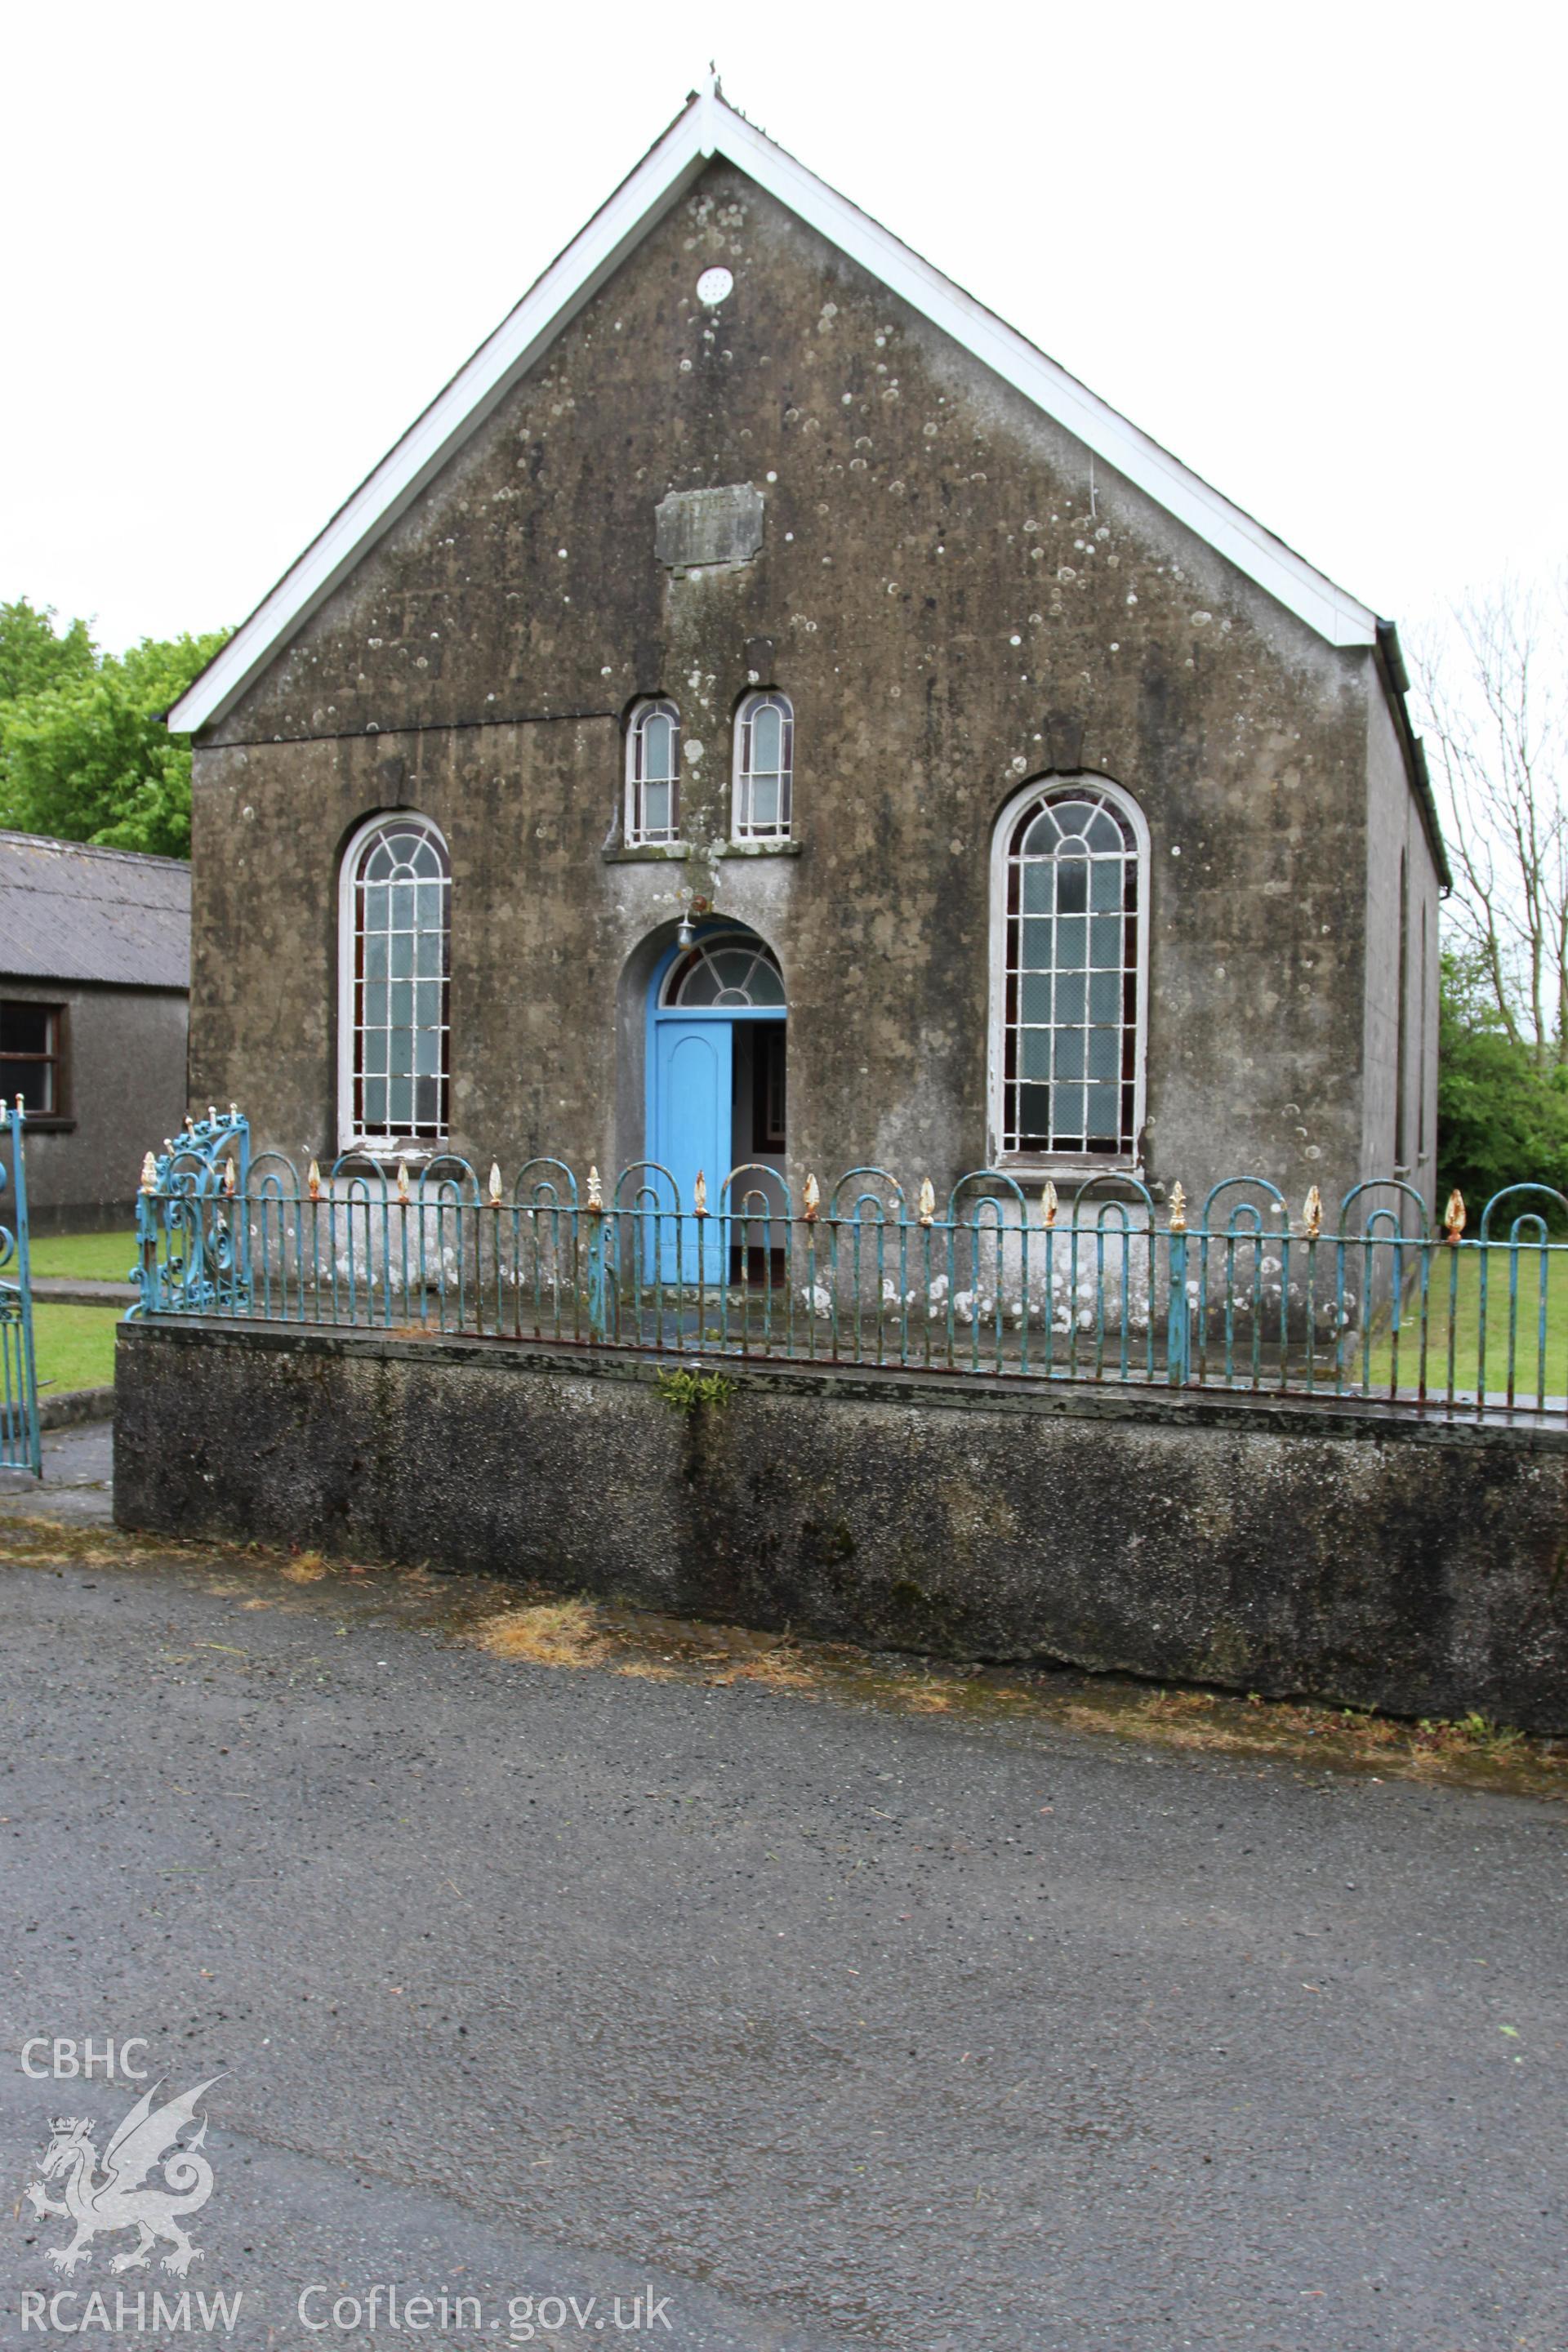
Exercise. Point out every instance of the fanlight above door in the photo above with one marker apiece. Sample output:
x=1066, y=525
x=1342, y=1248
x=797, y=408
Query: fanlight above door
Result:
x=731, y=972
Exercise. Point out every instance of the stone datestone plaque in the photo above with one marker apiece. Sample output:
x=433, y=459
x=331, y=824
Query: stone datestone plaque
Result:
x=697, y=527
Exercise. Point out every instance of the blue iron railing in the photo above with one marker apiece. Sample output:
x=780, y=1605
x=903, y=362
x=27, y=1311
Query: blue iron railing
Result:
x=191, y=1242
x=20, y=1445
x=999, y=1279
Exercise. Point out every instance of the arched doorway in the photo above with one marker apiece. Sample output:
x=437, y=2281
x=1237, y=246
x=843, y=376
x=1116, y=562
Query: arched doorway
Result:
x=717, y=1085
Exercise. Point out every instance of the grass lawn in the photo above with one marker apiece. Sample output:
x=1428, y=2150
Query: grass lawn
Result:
x=75, y=1345
x=84, y=1257
x=1462, y=1315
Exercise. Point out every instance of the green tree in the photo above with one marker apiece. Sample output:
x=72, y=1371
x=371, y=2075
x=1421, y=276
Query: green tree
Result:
x=32, y=657
x=1502, y=1117
x=88, y=757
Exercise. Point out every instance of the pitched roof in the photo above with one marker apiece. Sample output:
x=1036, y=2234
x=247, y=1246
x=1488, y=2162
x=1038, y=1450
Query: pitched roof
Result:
x=708, y=126
x=71, y=913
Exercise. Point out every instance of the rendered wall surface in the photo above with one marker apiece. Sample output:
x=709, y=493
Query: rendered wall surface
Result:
x=1399, y=1092
x=1331, y=1552
x=125, y=1091
x=957, y=601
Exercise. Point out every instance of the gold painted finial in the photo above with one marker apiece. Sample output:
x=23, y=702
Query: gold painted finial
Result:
x=1178, y=1210
x=1049, y=1205
x=149, y=1174
x=700, y=1195
x=813, y=1199
x=402, y=1180
x=927, y=1201
x=1312, y=1213
x=229, y=1176
x=596, y=1197
x=1454, y=1217
x=313, y=1179
x=495, y=1184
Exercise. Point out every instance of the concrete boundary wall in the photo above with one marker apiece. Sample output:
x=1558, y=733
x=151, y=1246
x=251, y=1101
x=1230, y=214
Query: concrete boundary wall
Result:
x=1334, y=1551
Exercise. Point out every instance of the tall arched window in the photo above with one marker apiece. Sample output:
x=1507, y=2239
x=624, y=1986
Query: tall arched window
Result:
x=1069, y=959
x=396, y=970
x=764, y=764
x=653, y=774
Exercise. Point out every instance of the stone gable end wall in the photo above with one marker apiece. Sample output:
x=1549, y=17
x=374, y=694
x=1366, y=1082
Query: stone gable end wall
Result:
x=952, y=606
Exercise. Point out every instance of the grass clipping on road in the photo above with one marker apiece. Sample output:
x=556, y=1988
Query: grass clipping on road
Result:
x=545, y=1633
x=530, y=1628
x=1471, y=1752
x=654, y=1649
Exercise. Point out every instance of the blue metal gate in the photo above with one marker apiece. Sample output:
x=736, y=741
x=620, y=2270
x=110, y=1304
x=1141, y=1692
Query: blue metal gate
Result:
x=19, y=1446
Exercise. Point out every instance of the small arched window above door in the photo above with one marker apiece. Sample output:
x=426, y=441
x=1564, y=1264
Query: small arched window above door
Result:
x=1068, y=972
x=653, y=775
x=731, y=971
x=764, y=767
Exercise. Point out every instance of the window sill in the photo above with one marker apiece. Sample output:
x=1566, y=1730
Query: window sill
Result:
x=1079, y=1171
x=759, y=849
x=646, y=853
x=388, y=1155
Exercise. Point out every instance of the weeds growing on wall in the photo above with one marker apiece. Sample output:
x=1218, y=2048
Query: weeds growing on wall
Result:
x=686, y=1391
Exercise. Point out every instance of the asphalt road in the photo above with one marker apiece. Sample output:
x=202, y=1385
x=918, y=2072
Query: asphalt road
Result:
x=827, y=2028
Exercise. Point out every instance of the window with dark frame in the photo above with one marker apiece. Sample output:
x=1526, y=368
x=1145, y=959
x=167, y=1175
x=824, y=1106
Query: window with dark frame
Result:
x=32, y=1056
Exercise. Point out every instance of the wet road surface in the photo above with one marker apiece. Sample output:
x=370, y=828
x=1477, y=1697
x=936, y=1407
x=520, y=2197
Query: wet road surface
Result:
x=824, y=2027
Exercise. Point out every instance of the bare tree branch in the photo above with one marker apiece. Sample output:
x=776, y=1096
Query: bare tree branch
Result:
x=1494, y=685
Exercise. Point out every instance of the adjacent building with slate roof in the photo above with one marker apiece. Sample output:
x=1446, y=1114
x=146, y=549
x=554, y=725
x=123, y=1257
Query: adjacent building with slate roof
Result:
x=95, y=961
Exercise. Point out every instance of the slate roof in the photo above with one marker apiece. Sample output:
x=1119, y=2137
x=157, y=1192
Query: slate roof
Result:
x=70, y=912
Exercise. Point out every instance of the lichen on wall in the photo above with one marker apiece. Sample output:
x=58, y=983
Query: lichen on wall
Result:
x=956, y=600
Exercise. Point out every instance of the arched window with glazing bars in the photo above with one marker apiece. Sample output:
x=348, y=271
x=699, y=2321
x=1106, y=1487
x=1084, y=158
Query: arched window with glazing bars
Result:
x=764, y=768
x=653, y=775
x=396, y=968
x=1070, y=949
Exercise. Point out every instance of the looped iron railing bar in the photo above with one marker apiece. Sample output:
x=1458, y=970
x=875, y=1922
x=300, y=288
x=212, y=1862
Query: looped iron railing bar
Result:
x=1385, y=1184
x=996, y=1282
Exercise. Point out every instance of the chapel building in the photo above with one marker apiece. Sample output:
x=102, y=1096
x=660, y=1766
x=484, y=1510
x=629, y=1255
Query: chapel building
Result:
x=764, y=711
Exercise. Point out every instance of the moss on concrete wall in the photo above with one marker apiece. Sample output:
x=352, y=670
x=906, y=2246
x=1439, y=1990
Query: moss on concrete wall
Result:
x=1343, y=1554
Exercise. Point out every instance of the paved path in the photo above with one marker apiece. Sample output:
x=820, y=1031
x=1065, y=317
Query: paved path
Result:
x=76, y=1486
x=76, y=1289
x=841, y=2029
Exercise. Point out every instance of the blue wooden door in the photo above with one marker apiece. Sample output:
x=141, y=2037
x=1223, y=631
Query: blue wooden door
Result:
x=693, y=1073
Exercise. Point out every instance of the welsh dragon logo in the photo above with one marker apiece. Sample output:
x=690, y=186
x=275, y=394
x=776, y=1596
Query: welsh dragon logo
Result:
x=116, y=2200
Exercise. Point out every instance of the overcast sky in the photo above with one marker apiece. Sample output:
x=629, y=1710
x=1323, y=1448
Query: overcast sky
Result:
x=1315, y=249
